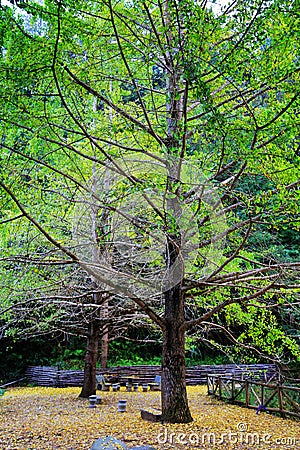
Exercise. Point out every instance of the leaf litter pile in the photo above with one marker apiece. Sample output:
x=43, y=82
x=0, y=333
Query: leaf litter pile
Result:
x=36, y=418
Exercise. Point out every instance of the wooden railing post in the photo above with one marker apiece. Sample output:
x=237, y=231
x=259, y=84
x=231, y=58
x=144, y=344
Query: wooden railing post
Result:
x=287, y=405
x=247, y=393
x=220, y=387
x=210, y=385
x=279, y=393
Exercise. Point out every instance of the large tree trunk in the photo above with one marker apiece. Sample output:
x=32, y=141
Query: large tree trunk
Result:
x=89, y=381
x=174, y=400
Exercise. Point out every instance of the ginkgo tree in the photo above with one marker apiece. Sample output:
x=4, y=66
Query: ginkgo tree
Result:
x=149, y=119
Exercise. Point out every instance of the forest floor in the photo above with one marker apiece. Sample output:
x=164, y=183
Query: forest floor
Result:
x=36, y=418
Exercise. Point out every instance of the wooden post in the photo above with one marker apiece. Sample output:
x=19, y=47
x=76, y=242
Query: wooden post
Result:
x=279, y=393
x=262, y=399
x=215, y=384
x=209, y=384
x=247, y=393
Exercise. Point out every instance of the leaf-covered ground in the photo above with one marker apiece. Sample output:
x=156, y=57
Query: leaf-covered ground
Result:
x=48, y=418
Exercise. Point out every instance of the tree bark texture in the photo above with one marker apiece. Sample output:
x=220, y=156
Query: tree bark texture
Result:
x=89, y=381
x=174, y=400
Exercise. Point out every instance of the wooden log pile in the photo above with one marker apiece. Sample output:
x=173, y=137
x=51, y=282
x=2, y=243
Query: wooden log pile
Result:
x=143, y=373
x=42, y=375
x=70, y=378
x=52, y=376
x=264, y=372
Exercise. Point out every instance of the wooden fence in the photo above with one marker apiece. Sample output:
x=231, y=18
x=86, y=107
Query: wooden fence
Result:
x=53, y=376
x=262, y=396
